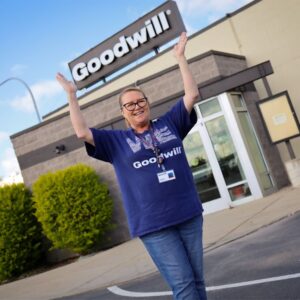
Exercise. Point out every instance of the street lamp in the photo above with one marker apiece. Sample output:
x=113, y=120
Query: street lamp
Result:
x=30, y=92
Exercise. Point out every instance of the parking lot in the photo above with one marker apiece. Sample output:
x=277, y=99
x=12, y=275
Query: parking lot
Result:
x=264, y=265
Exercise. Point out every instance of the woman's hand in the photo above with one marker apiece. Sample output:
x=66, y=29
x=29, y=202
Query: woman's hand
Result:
x=179, y=48
x=67, y=85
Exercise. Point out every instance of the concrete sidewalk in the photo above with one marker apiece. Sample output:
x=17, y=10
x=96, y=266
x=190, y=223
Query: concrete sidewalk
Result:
x=130, y=260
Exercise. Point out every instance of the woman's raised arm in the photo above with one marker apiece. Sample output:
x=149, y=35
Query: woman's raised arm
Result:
x=191, y=92
x=78, y=122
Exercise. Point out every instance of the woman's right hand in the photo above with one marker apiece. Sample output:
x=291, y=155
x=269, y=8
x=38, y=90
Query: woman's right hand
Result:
x=67, y=85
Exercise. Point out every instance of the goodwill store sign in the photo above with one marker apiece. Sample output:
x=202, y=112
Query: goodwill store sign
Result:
x=149, y=32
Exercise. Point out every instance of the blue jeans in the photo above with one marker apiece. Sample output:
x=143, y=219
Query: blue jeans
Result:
x=177, y=252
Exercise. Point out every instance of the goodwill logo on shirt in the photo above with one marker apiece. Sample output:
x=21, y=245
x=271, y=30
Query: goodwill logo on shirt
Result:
x=162, y=135
x=153, y=160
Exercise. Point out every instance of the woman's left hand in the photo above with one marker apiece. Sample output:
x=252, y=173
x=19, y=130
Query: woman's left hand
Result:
x=179, y=48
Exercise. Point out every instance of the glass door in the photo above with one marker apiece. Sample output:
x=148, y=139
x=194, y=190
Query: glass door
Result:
x=252, y=142
x=222, y=170
x=201, y=167
x=202, y=164
x=227, y=158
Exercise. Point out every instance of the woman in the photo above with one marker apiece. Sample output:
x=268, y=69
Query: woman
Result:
x=160, y=199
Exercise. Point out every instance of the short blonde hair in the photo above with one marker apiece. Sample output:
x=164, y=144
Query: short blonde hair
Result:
x=130, y=89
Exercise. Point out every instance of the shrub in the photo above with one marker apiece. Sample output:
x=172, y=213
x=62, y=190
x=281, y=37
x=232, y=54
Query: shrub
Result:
x=74, y=208
x=20, y=233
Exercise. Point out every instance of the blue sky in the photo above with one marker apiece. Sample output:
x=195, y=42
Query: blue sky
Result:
x=38, y=39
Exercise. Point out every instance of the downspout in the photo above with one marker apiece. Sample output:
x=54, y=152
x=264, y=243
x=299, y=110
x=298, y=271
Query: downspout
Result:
x=239, y=44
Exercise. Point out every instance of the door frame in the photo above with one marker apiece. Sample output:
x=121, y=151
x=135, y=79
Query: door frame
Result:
x=250, y=176
x=221, y=202
x=241, y=149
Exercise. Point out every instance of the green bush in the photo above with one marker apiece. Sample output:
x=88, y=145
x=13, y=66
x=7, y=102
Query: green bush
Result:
x=74, y=208
x=20, y=233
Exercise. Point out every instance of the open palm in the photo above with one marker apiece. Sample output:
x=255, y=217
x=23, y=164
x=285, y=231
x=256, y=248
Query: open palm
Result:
x=67, y=85
x=179, y=48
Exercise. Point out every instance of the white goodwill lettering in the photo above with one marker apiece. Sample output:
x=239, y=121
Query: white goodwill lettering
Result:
x=153, y=27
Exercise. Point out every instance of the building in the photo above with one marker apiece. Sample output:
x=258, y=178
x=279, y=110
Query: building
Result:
x=249, y=55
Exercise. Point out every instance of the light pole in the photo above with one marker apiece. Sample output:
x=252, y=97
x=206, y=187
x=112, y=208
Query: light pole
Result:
x=30, y=92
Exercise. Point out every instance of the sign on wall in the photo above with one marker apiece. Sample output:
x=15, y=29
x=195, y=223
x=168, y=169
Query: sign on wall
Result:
x=279, y=117
x=149, y=32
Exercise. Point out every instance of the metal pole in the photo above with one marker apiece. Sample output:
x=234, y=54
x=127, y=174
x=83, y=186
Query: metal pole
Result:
x=30, y=92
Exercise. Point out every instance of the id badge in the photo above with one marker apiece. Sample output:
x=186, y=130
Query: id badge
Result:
x=166, y=176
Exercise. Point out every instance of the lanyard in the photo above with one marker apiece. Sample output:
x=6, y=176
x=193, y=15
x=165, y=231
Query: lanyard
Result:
x=153, y=145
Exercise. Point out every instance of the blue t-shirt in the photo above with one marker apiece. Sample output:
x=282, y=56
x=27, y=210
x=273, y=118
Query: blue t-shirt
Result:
x=152, y=205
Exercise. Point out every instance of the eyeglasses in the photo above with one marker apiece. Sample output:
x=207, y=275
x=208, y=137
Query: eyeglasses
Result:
x=130, y=106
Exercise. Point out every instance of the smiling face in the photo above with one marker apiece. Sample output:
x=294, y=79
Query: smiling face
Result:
x=135, y=109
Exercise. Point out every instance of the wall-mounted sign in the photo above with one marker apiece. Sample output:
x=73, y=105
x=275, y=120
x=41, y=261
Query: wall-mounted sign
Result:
x=149, y=32
x=279, y=117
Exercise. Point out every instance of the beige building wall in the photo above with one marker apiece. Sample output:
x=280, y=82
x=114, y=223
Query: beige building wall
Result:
x=263, y=30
